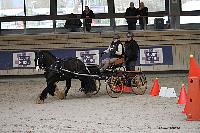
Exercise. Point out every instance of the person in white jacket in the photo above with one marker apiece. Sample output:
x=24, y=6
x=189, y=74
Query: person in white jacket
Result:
x=115, y=51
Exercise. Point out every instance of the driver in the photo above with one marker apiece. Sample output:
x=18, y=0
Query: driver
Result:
x=115, y=51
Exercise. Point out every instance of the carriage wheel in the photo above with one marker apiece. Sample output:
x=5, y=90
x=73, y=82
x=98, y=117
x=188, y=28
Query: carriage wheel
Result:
x=139, y=84
x=114, y=86
x=98, y=84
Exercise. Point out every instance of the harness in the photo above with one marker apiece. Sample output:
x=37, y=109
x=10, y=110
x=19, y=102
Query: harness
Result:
x=58, y=68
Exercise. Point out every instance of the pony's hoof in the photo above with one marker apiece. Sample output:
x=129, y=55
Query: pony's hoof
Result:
x=60, y=94
x=39, y=101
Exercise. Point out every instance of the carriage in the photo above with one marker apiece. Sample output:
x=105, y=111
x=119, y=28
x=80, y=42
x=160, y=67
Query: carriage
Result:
x=117, y=79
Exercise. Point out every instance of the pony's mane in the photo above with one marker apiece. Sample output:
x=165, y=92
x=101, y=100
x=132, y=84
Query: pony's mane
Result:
x=46, y=52
x=71, y=58
x=50, y=55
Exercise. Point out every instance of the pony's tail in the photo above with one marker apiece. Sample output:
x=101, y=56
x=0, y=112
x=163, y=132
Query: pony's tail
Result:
x=89, y=85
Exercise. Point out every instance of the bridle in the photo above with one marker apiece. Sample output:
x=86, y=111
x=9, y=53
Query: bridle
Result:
x=40, y=65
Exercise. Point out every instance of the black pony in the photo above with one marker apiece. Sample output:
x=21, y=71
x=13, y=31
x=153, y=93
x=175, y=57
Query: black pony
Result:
x=62, y=70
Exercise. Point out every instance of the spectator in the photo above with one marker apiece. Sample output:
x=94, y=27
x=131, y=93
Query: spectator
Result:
x=88, y=15
x=73, y=24
x=115, y=51
x=143, y=11
x=131, y=52
x=131, y=12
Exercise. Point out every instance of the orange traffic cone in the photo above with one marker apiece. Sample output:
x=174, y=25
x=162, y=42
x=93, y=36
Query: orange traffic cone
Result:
x=182, y=97
x=184, y=110
x=194, y=68
x=155, y=89
x=193, y=101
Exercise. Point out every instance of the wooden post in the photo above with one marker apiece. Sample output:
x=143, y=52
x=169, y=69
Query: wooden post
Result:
x=53, y=12
x=111, y=11
x=24, y=22
x=82, y=4
x=174, y=12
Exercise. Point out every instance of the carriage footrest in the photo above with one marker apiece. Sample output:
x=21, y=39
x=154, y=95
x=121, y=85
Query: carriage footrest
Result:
x=127, y=89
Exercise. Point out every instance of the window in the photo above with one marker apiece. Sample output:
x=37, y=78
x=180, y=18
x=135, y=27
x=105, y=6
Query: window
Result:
x=37, y=7
x=189, y=19
x=154, y=5
x=189, y=5
x=12, y=25
x=39, y=24
x=121, y=6
x=69, y=6
x=12, y=8
x=75, y=6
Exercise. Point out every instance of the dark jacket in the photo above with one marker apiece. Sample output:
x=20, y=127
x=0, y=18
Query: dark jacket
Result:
x=114, y=48
x=143, y=12
x=131, y=50
x=73, y=22
x=90, y=14
x=131, y=13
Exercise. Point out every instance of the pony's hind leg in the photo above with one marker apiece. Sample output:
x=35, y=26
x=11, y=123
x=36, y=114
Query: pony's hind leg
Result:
x=68, y=86
x=87, y=85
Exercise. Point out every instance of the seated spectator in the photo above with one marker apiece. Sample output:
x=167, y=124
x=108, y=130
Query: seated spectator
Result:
x=73, y=25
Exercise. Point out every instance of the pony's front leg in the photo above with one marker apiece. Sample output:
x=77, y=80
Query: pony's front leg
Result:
x=59, y=93
x=53, y=89
x=43, y=95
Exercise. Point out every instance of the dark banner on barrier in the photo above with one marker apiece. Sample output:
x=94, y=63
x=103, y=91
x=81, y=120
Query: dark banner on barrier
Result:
x=6, y=60
x=157, y=55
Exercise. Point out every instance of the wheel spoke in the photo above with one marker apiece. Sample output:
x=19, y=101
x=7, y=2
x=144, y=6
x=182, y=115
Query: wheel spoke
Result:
x=139, y=84
x=114, y=87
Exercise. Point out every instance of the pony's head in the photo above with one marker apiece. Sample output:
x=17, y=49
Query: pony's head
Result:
x=40, y=60
x=43, y=59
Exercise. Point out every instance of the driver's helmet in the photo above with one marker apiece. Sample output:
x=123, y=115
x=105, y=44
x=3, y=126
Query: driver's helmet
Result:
x=116, y=36
x=129, y=34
